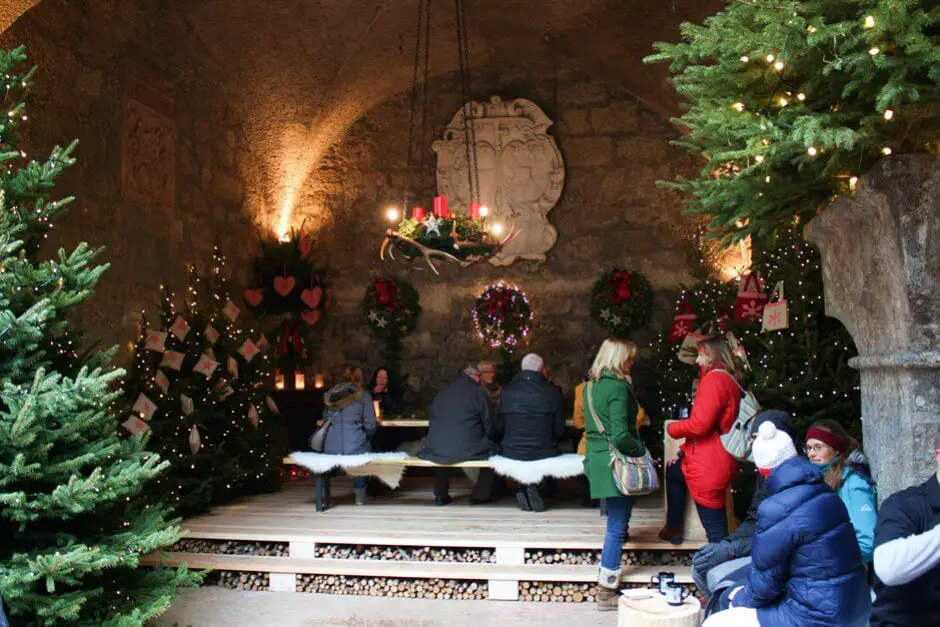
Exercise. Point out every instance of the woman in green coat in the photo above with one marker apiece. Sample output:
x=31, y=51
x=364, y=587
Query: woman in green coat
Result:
x=609, y=398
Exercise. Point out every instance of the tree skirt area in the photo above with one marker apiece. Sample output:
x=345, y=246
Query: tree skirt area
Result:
x=216, y=607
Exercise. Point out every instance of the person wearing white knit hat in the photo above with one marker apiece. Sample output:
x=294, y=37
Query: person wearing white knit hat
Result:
x=807, y=568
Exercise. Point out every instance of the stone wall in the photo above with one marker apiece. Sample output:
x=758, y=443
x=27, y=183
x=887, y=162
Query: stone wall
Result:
x=611, y=212
x=158, y=190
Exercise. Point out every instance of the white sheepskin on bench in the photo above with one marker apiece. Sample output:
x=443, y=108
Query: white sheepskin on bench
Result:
x=355, y=465
x=561, y=467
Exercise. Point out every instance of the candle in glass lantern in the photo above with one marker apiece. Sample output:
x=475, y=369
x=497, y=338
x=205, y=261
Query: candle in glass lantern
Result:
x=278, y=380
x=318, y=381
x=418, y=213
x=440, y=207
x=299, y=381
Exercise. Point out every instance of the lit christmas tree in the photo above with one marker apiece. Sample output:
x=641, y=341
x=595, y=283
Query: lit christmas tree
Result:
x=790, y=101
x=72, y=523
x=199, y=380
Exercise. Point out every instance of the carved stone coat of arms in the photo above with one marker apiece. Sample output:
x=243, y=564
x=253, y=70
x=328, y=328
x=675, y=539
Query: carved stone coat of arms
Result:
x=520, y=170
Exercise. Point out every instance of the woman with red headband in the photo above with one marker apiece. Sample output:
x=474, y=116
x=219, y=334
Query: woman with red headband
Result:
x=832, y=451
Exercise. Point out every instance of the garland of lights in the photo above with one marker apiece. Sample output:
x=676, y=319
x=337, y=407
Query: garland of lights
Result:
x=503, y=316
x=621, y=301
x=391, y=310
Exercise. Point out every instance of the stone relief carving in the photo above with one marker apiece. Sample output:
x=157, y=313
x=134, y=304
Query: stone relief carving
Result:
x=521, y=172
x=148, y=146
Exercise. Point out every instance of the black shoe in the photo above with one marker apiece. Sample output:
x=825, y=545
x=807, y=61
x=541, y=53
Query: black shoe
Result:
x=477, y=501
x=441, y=501
x=535, y=498
x=523, y=501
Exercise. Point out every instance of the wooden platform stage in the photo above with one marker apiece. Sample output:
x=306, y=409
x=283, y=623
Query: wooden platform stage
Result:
x=408, y=518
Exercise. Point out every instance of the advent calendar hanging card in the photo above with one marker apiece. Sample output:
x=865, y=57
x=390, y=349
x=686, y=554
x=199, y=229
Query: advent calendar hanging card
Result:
x=777, y=313
x=172, y=359
x=231, y=310
x=205, y=366
x=248, y=350
x=211, y=334
x=749, y=304
x=144, y=406
x=180, y=328
x=135, y=425
x=155, y=341
x=162, y=382
x=187, y=405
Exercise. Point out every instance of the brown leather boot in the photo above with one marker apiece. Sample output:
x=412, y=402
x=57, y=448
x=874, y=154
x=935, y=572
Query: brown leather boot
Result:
x=673, y=535
x=606, y=599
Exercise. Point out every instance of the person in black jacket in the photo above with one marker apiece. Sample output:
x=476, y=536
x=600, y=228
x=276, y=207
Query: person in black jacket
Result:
x=460, y=418
x=907, y=556
x=530, y=419
x=717, y=561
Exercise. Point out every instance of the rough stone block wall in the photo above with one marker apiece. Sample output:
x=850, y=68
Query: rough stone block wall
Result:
x=611, y=212
x=86, y=52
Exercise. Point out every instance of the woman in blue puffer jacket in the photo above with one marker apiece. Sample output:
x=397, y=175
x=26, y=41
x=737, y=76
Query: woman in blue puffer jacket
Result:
x=807, y=568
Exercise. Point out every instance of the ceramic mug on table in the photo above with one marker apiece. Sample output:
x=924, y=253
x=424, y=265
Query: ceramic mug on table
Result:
x=676, y=593
x=661, y=580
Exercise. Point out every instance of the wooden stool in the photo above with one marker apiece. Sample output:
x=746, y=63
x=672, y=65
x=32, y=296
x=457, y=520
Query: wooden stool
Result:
x=646, y=607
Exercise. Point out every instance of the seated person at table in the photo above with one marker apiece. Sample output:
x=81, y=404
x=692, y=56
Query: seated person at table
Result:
x=352, y=416
x=530, y=419
x=488, y=382
x=459, y=419
x=385, y=389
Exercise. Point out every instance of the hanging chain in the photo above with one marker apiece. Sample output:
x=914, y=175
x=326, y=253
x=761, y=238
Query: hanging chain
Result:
x=463, y=54
x=424, y=110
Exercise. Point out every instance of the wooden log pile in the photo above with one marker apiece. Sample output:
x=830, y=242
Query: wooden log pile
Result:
x=630, y=558
x=557, y=592
x=392, y=587
x=238, y=580
x=230, y=547
x=405, y=554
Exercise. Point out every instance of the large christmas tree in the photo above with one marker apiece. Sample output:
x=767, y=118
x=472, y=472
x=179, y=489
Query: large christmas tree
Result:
x=72, y=523
x=199, y=380
x=790, y=101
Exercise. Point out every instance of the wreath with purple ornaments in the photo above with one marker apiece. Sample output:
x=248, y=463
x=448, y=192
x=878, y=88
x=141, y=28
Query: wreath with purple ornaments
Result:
x=503, y=316
x=622, y=301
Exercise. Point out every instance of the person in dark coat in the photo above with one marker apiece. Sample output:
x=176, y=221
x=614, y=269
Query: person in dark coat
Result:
x=528, y=423
x=717, y=561
x=907, y=555
x=352, y=423
x=807, y=567
x=460, y=417
x=385, y=388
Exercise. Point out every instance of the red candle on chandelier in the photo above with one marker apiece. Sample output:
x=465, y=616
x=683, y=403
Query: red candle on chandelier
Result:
x=475, y=210
x=440, y=207
x=418, y=213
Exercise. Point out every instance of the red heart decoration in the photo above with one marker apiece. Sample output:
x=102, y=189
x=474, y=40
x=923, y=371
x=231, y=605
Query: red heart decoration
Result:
x=311, y=298
x=253, y=297
x=306, y=244
x=284, y=285
x=311, y=316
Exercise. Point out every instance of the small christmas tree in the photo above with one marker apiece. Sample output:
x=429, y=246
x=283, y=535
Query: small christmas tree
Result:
x=790, y=101
x=200, y=380
x=72, y=525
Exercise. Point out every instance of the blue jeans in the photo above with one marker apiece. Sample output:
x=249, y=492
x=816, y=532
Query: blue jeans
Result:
x=619, y=509
x=715, y=521
x=360, y=482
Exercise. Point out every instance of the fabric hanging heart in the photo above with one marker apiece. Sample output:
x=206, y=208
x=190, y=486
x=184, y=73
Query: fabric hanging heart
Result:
x=232, y=366
x=253, y=297
x=195, y=442
x=284, y=285
x=306, y=245
x=271, y=404
x=253, y=416
x=311, y=298
x=311, y=316
x=187, y=405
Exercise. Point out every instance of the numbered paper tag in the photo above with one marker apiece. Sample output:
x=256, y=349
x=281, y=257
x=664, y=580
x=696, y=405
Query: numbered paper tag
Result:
x=155, y=341
x=232, y=366
x=231, y=310
x=211, y=334
x=180, y=328
x=144, y=406
x=135, y=425
x=206, y=365
x=195, y=442
x=172, y=359
x=253, y=416
x=271, y=404
x=187, y=405
x=162, y=382
x=248, y=350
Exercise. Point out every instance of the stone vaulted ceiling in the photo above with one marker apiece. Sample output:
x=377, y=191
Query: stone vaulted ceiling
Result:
x=302, y=71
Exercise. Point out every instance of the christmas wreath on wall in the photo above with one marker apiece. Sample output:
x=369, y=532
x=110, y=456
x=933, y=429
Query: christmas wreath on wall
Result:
x=289, y=285
x=621, y=301
x=391, y=308
x=503, y=316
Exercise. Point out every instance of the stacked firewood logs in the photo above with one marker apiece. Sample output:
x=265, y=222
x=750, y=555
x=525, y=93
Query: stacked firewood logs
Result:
x=630, y=558
x=392, y=587
x=238, y=580
x=229, y=547
x=566, y=592
x=405, y=554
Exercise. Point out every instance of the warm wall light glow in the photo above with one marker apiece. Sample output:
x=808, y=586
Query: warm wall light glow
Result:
x=484, y=211
x=392, y=214
x=497, y=229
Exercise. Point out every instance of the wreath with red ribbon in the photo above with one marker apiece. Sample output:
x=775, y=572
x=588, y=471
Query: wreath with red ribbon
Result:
x=503, y=316
x=391, y=309
x=622, y=301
